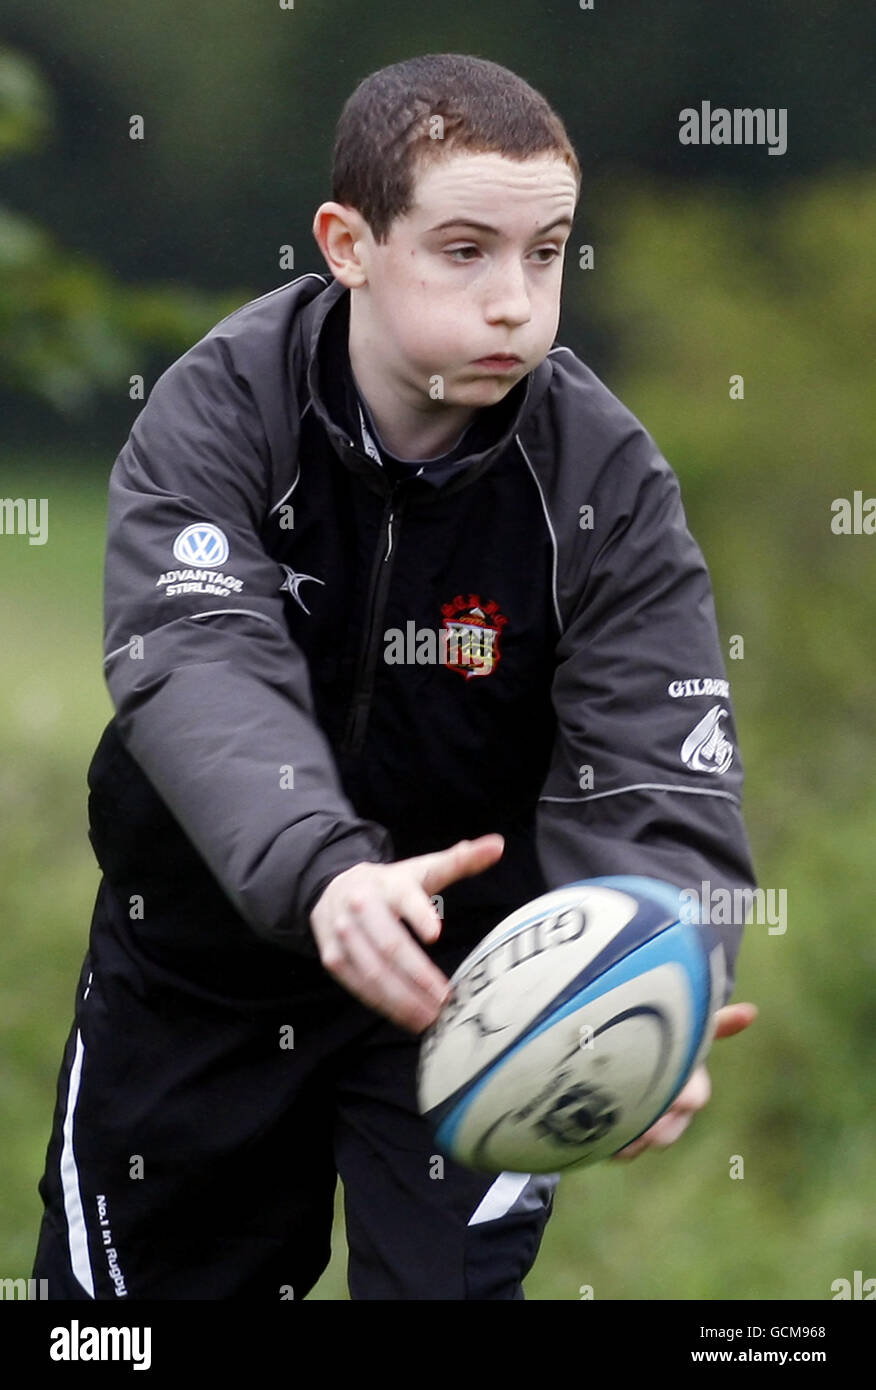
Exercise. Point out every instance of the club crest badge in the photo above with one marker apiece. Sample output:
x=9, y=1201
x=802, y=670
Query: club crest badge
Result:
x=471, y=632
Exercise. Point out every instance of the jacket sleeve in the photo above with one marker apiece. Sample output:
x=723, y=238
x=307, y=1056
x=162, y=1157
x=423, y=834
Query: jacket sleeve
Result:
x=212, y=698
x=645, y=776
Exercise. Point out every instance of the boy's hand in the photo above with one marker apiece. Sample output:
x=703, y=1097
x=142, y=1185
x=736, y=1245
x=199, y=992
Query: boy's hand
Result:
x=692, y=1097
x=363, y=943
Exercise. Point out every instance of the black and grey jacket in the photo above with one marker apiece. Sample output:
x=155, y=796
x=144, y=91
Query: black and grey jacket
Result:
x=315, y=662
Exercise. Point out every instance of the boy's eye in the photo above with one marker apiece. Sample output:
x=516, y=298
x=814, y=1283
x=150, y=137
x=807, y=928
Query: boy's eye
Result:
x=552, y=253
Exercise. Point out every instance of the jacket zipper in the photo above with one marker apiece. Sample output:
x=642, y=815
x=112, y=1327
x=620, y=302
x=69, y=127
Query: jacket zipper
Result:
x=378, y=589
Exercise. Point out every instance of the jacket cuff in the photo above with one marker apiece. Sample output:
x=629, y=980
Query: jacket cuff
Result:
x=356, y=848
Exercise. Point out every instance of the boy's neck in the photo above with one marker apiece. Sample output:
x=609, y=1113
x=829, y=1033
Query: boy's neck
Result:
x=409, y=429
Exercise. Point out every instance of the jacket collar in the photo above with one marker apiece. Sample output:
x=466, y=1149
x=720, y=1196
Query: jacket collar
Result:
x=328, y=400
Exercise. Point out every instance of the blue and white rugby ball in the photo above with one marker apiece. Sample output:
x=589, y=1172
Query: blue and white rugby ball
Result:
x=571, y=1027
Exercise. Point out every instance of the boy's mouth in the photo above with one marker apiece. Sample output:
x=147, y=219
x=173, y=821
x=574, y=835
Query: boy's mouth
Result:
x=499, y=361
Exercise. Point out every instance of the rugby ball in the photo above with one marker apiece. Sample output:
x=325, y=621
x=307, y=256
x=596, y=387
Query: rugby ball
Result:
x=571, y=1027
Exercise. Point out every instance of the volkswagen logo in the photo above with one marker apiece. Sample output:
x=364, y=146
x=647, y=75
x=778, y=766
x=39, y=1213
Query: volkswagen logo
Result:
x=201, y=544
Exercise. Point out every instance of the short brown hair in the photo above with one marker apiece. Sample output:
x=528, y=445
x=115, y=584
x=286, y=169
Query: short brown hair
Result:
x=383, y=137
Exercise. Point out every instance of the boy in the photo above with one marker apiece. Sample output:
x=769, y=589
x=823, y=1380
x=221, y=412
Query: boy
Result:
x=346, y=469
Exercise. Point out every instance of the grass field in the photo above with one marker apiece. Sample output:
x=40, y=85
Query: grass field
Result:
x=794, y=1095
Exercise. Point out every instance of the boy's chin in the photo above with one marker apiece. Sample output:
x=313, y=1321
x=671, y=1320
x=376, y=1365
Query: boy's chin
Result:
x=482, y=388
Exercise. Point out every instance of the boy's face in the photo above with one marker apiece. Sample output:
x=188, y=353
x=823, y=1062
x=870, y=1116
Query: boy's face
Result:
x=442, y=293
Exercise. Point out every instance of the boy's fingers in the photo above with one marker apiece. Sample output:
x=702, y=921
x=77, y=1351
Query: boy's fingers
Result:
x=404, y=964
x=364, y=974
x=461, y=860
x=420, y=913
x=374, y=955
x=694, y=1095
x=669, y=1128
x=732, y=1018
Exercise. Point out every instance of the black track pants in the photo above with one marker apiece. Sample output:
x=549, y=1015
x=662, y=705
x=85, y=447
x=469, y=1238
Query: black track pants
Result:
x=193, y=1156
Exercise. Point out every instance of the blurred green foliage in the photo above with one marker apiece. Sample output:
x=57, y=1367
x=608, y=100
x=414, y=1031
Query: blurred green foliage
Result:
x=781, y=292
x=68, y=328
x=697, y=287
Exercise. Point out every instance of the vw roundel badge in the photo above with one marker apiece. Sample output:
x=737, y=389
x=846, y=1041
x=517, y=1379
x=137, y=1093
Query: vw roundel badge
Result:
x=201, y=544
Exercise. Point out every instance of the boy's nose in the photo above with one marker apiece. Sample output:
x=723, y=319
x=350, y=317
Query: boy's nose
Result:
x=507, y=297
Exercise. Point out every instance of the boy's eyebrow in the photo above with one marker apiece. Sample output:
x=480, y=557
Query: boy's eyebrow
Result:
x=564, y=220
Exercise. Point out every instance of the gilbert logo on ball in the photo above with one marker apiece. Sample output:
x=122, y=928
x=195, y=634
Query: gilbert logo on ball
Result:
x=571, y=1027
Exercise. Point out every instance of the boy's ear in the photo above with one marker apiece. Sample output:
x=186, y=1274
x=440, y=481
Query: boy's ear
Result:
x=341, y=234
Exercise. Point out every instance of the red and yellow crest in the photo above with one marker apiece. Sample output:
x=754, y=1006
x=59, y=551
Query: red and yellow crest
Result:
x=470, y=640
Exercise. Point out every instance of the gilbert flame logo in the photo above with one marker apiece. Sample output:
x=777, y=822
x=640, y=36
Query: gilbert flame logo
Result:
x=473, y=629
x=707, y=748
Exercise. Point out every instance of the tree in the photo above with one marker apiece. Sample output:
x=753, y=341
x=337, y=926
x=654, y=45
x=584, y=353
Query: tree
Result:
x=68, y=329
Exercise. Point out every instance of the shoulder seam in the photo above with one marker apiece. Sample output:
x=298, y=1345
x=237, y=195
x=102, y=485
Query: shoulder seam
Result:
x=278, y=289
x=297, y=477
x=552, y=532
